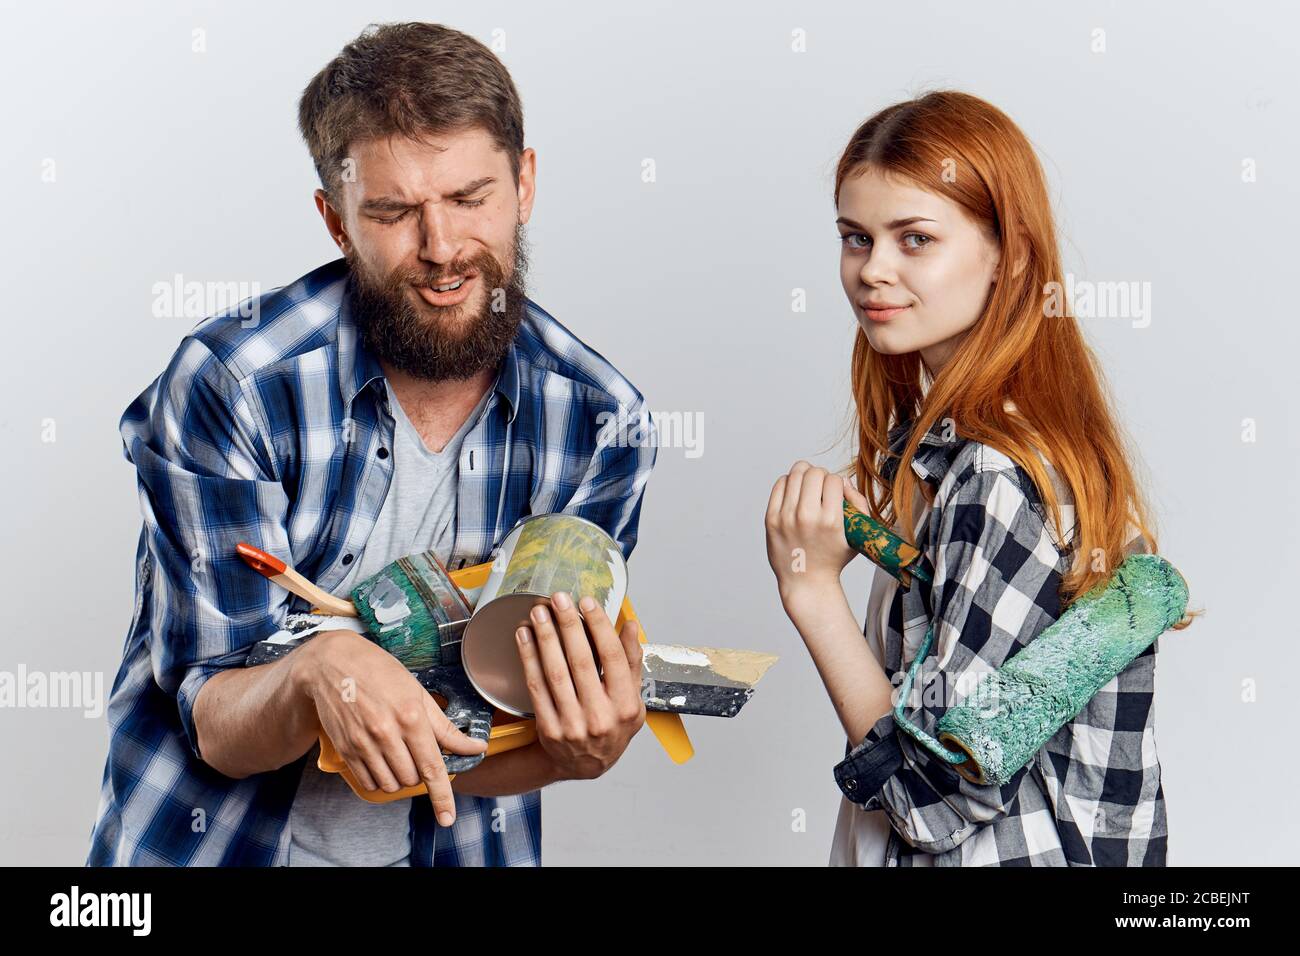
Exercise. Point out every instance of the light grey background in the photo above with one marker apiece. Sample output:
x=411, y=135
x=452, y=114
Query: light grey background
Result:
x=170, y=161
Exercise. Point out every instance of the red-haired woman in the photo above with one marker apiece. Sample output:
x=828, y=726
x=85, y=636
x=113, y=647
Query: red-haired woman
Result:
x=985, y=437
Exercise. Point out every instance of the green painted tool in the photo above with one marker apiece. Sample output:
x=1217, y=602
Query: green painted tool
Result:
x=996, y=729
x=413, y=610
x=885, y=548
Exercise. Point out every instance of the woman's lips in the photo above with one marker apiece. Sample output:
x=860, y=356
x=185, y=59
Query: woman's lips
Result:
x=454, y=297
x=884, y=315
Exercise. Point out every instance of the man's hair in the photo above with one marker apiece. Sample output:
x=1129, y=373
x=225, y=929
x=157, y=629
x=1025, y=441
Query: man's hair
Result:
x=416, y=79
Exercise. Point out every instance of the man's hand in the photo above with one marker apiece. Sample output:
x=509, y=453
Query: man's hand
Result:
x=584, y=720
x=382, y=722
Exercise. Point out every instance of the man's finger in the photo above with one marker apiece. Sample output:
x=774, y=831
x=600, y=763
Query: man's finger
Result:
x=577, y=648
x=613, y=655
x=398, y=758
x=449, y=736
x=381, y=777
x=543, y=706
x=427, y=756
x=555, y=666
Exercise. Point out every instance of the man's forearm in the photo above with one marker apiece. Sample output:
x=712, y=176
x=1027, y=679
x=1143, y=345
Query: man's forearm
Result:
x=515, y=771
x=254, y=719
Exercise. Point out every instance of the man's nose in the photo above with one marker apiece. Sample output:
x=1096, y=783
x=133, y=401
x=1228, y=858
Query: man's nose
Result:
x=440, y=240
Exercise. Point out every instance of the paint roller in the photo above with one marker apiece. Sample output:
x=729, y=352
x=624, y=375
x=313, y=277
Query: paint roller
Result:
x=1012, y=712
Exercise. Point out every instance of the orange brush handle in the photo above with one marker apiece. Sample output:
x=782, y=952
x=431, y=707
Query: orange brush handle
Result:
x=259, y=560
x=286, y=577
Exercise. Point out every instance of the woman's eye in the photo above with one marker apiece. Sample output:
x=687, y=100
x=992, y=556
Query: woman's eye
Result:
x=917, y=235
x=847, y=239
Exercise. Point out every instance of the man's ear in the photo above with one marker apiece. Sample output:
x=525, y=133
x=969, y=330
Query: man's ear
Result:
x=527, y=183
x=333, y=221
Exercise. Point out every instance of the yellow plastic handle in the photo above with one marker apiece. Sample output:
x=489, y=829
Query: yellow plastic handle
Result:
x=508, y=731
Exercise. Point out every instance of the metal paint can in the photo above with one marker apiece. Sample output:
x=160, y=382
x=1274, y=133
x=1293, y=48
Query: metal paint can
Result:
x=542, y=554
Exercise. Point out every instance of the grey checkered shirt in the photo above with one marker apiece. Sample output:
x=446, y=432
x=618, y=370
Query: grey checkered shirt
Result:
x=1092, y=795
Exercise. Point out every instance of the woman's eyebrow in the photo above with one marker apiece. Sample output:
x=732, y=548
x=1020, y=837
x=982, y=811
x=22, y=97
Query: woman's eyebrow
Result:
x=896, y=224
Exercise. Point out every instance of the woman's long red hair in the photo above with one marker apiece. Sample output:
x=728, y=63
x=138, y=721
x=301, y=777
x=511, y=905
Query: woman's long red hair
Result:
x=1015, y=350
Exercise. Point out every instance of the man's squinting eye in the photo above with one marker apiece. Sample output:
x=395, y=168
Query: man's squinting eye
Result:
x=465, y=203
x=848, y=237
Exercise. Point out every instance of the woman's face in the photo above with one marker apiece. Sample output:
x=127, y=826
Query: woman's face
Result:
x=917, y=251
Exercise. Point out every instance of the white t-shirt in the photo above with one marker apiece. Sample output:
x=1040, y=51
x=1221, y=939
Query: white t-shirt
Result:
x=329, y=825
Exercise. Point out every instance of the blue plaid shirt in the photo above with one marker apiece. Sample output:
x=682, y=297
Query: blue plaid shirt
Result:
x=276, y=432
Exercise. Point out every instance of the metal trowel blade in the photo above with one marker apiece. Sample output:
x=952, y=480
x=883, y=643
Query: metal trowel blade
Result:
x=710, y=681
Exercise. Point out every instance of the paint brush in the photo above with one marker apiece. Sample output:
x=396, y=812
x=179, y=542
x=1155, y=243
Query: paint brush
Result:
x=411, y=608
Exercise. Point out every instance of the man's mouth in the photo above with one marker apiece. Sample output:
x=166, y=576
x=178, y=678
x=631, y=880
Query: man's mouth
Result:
x=451, y=292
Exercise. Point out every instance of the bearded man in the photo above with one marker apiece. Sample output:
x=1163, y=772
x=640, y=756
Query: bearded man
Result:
x=406, y=397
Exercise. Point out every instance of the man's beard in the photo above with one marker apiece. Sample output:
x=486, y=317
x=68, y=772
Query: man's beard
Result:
x=427, y=346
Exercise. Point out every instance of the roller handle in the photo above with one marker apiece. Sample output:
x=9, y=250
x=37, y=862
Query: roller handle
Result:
x=885, y=548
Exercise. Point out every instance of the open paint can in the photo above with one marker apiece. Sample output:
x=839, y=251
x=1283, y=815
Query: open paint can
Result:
x=542, y=554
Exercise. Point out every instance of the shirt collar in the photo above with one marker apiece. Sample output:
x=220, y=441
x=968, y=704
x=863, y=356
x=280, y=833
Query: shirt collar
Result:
x=934, y=455
x=358, y=366
x=507, y=383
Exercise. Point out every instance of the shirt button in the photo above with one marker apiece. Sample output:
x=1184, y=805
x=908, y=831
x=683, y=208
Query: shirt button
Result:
x=347, y=559
x=383, y=453
x=850, y=784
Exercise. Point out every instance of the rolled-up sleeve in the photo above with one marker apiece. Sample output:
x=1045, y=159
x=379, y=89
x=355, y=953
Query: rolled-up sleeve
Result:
x=206, y=481
x=997, y=572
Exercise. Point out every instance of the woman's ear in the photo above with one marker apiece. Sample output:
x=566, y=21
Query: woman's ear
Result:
x=1022, y=260
x=1022, y=255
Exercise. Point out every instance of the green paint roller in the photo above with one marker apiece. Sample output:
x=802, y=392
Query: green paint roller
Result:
x=1015, y=710
x=996, y=729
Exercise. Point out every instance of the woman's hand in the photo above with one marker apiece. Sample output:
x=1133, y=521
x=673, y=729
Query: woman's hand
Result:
x=807, y=549
x=806, y=546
